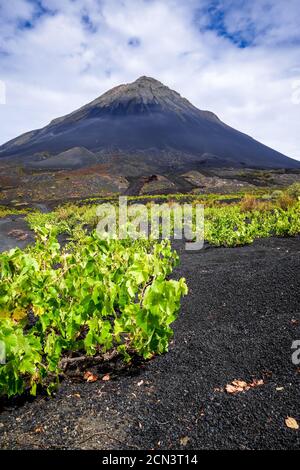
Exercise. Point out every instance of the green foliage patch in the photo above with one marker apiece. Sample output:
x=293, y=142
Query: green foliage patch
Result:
x=91, y=297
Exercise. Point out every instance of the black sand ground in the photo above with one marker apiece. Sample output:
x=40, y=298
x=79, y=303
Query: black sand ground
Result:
x=238, y=322
x=12, y=229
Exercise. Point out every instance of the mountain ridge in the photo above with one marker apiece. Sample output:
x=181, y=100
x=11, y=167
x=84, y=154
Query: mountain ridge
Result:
x=139, y=120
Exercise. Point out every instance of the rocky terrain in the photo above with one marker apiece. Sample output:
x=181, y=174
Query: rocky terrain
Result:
x=25, y=187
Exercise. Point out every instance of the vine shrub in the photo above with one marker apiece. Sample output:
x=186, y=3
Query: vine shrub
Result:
x=90, y=298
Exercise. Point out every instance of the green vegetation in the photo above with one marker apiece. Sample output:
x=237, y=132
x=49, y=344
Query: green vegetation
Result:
x=69, y=219
x=94, y=298
x=231, y=225
x=7, y=211
x=294, y=191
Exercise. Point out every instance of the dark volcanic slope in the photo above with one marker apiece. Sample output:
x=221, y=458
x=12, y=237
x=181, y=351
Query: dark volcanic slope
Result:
x=238, y=322
x=146, y=118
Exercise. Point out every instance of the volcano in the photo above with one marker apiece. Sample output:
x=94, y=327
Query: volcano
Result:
x=141, y=128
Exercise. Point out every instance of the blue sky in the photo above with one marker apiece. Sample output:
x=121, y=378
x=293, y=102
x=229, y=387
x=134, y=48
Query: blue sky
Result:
x=237, y=58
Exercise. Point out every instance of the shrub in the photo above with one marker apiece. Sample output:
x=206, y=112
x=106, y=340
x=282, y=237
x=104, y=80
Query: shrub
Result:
x=294, y=191
x=248, y=203
x=285, y=201
x=92, y=298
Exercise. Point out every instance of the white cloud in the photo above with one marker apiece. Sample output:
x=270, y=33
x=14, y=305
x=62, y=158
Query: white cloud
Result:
x=78, y=50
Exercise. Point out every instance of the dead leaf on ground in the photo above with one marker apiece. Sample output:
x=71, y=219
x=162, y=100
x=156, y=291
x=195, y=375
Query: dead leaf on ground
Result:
x=184, y=440
x=38, y=430
x=240, y=385
x=230, y=389
x=291, y=423
x=140, y=383
x=106, y=377
x=256, y=383
x=90, y=377
x=237, y=386
x=19, y=234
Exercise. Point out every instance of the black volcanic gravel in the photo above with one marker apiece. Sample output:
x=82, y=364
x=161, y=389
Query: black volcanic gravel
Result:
x=238, y=322
x=11, y=224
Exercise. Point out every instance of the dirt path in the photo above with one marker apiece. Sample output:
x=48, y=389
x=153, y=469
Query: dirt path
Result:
x=238, y=322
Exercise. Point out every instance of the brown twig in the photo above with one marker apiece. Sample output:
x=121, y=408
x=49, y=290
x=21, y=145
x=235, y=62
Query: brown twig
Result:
x=66, y=361
x=144, y=289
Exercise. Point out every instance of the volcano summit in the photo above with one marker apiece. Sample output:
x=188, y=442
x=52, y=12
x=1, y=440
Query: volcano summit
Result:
x=141, y=128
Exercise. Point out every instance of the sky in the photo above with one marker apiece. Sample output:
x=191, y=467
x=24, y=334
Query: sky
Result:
x=237, y=58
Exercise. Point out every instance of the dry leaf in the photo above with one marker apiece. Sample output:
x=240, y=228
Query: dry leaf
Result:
x=256, y=383
x=230, y=388
x=106, y=377
x=236, y=386
x=241, y=386
x=140, y=383
x=90, y=377
x=19, y=314
x=18, y=234
x=239, y=383
x=38, y=430
x=184, y=440
x=291, y=423
x=77, y=395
